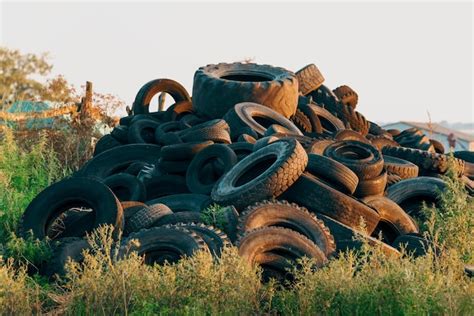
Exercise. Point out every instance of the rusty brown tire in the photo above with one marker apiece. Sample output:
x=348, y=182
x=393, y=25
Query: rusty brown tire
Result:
x=302, y=121
x=150, y=89
x=309, y=79
x=427, y=162
x=346, y=95
x=348, y=238
x=335, y=173
x=327, y=120
x=318, y=146
x=348, y=134
x=288, y=243
x=289, y=215
x=394, y=221
x=380, y=142
x=403, y=168
x=438, y=146
x=370, y=187
x=468, y=158
x=319, y=197
x=364, y=159
x=217, y=88
x=257, y=117
x=264, y=174
x=392, y=179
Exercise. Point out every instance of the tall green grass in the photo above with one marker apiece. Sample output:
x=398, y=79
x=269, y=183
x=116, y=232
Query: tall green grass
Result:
x=363, y=283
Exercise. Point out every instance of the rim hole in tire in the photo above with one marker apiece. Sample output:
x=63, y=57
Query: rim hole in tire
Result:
x=246, y=77
x=264, y=121
x=387, y=230
x=148, y=134
x=353, y=153
x=160, y=255
x=255, y=170
x=61, y=221
x=121, y=192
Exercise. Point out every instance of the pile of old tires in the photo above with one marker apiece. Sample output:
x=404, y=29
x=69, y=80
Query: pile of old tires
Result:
x=296, y=170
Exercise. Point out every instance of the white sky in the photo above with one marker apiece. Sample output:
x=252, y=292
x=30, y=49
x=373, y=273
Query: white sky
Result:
x=403, y=59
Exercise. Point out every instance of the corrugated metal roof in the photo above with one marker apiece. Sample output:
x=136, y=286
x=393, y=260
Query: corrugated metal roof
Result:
x=436, y=128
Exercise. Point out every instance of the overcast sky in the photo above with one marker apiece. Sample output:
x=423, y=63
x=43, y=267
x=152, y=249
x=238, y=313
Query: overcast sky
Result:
x=403, y=59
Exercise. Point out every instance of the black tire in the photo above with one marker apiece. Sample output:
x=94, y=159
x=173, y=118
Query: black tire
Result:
x=120, y=133
x=372, y=187
x=309, y=79
x=135, y=168
x=264, y=174
x=118, y=159
x=241, y=149
x=194, y=179
x=264, y=141
x=217, y=131
x=65, y=249
x=146, y=217
x=283, y=214
x=214, y=238
x=347, y=238
x=403, y=168
x=174, y=166
x=162, y=244
x=180, y=217
x=165, y=185
x=415, y=245
x=416, y=190
x=150, y=89
x=142, y=132
x=257, y=117
x=333, y=172
x=184, y=151
x=283, y=241
x=67, y=194
x=186, y=202
x=105, y=143
x=319, y=197
x=427, y=162
x=126, y=187
x=365, y=160
x=166, y=139
x=217, y=88
x=394, y=221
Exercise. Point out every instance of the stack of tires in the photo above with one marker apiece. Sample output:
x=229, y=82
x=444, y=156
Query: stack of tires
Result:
x=297, y=171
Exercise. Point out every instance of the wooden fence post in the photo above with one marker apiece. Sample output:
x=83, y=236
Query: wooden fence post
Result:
x=87, y=101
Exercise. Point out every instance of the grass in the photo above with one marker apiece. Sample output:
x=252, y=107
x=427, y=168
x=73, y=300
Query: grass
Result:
x=363, y=283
